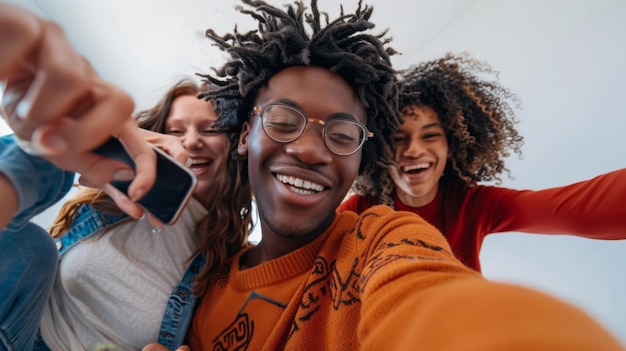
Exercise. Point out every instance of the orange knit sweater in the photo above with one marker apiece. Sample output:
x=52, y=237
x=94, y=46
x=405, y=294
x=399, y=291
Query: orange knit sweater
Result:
x=383, y=280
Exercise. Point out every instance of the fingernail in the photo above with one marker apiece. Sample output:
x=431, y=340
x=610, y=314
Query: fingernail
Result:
x=8, y=97
x=49, y=143
x=123, y=175
x=22, y=108
x=137, y=194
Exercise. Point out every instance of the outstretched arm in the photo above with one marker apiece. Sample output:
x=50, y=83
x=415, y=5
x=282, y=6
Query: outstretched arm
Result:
x=417, y=294
x=592, y=208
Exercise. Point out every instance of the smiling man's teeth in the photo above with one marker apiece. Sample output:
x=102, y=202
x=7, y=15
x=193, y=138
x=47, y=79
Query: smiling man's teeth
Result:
x=414, y=167
x=300, y=186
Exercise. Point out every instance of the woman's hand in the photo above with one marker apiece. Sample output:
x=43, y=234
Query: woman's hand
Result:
x=170, y=144
x=55, y=103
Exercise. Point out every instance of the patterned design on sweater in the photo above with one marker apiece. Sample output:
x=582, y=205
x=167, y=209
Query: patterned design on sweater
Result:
x=314, y=292
x=326, y=280
x=354, y=250
x=359, y=225
x=238, y=334
x=392, y=283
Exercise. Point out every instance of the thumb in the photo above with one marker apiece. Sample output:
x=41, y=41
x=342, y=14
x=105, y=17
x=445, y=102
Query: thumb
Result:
x=158, y=347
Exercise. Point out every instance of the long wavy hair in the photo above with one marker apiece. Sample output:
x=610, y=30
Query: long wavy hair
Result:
x=297, y=37
x=477, y=115
x=226, y=227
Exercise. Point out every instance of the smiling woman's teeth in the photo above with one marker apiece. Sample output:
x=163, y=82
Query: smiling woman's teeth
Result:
x=418, y=166
x=196, y=161
x=300, y=186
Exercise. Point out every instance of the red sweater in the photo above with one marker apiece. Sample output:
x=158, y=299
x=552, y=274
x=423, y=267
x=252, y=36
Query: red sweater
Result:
x=594, y=209
x=383, y=281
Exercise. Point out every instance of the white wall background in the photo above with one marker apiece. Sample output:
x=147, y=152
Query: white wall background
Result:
x=564, y=59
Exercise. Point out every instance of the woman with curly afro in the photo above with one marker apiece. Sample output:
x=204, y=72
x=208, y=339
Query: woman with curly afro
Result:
x=458, y=127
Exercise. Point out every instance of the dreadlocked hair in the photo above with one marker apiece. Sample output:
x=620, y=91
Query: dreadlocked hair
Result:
x=295, y=37
x=476, y=114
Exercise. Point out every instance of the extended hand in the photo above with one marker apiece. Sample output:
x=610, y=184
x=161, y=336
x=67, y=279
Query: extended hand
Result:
x=54, y=100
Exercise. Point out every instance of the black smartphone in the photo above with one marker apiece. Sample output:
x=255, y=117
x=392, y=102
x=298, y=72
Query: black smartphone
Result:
x=173, y=186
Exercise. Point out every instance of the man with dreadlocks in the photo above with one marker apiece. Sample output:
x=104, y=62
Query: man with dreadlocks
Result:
x=313, y=106
x=311, y=112
x=458, y=127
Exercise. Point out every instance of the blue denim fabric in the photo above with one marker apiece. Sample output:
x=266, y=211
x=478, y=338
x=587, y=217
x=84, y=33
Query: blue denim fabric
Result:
x=40, y=184
x=28, y=263
x=180, y=306
x=181, y=303
x=28, y=259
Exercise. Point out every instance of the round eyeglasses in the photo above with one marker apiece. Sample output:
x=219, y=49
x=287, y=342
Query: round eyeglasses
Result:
x=284, y=124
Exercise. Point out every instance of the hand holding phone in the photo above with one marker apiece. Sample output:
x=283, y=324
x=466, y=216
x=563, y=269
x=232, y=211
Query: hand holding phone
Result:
x=172, y=189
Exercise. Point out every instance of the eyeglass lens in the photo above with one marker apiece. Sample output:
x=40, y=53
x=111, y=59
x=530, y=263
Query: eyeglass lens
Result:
x=286, y=124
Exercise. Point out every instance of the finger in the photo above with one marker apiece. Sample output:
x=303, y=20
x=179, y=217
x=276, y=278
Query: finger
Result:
x=144, y=157
x=174, y=148
x=3, y=114
x=97, y=170
x=153, y=347
x=62, y=81
x=180, y=154
x=157, y=347
x=13, y=94
x=86, y=182
x=111, y=108
x=61, y=95
x=171, y=145
x=19, y=31
x=123, y=202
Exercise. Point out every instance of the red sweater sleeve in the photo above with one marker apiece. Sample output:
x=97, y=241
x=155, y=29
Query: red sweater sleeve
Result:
x=356, y=203
x=593, y=208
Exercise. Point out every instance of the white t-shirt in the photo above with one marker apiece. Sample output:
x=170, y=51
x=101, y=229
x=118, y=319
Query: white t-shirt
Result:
x=112, y=288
